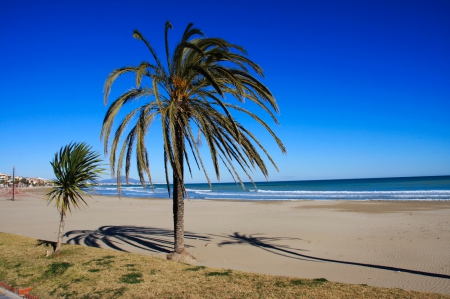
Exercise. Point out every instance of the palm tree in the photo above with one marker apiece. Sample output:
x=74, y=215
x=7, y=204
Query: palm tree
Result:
x=188, y=94
x=76, y=167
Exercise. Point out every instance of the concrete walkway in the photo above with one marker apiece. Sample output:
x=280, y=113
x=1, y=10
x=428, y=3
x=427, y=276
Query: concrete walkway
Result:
x=4, y=294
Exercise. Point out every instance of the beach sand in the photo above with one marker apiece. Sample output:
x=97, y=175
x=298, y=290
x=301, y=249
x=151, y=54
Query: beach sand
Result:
x=389, y=244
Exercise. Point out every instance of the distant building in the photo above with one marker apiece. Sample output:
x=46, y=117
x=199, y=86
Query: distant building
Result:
x=7, y=181
x=3, y=179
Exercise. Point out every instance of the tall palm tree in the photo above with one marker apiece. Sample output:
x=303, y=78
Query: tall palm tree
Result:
x=76, y=167
x=188, y=94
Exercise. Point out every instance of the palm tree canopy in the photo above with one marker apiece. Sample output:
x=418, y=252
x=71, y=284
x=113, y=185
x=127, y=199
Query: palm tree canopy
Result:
x=76, y=167
x=188, y=93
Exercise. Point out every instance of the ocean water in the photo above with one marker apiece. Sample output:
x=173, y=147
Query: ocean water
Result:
x=410, y=188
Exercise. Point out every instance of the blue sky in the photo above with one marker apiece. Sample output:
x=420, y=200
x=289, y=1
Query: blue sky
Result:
x=363, y=86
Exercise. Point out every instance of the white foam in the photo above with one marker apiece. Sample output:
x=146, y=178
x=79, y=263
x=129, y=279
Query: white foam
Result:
x=258, y=194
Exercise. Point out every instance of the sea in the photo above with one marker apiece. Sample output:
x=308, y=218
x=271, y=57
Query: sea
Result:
x=432, y=188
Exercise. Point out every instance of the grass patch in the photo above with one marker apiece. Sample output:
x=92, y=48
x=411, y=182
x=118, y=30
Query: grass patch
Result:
x=131, y=278
x=195, y=269
x=68, y=295
x=80, y=279
x=104, y=263
x=107, y=293
x=73, y=274
x=57, y=268
x=224, y=273
x=308, y=282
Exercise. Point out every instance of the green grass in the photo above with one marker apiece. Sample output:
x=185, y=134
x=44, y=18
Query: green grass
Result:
x=196, y=268
x=309, y=282
x=57, y=268
x=84, y=272
x=131, y=278
x=221, y=273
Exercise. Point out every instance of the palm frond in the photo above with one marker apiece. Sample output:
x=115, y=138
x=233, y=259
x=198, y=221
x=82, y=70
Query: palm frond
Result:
x=76, y=167
x=188, y=94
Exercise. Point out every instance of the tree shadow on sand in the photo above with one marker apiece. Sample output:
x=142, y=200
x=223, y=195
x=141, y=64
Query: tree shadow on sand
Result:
x=286, y=251
x=160, y=240
x=264, y=244
x=146, y=238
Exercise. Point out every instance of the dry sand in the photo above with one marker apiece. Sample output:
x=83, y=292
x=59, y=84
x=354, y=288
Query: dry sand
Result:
x=389, y=244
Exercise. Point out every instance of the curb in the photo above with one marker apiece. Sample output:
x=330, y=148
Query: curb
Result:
x=19, y=292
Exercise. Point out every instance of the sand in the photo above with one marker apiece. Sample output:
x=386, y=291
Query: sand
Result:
x=389, y=244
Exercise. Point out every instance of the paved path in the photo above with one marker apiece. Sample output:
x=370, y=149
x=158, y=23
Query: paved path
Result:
x=8, y=295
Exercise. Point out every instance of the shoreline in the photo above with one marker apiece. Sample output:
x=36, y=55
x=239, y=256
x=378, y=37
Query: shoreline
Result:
x=42, y=191
x=405, y=189
x=279, y=200
x=342, y=241
x=262, y=201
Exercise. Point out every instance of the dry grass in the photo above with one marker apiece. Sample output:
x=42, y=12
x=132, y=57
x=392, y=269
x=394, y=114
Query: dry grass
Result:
x=83, y=272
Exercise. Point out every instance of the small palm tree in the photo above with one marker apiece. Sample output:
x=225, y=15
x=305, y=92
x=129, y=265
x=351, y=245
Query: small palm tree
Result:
x=76, y=167
x=188, y=94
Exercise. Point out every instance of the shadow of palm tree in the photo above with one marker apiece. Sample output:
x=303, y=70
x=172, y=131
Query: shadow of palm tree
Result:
x=286, y=251
x=263, y=243
x=146, y=238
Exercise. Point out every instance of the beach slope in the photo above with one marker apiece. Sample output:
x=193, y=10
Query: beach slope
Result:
x=389, y=244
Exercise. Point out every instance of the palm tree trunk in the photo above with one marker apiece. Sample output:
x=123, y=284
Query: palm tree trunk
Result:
x=178, y=196
x=61, y=232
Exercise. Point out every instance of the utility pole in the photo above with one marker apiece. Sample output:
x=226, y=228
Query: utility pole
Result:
x=14, y=181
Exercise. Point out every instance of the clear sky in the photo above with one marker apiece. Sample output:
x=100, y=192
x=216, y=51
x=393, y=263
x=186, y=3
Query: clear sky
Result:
x=363, y=86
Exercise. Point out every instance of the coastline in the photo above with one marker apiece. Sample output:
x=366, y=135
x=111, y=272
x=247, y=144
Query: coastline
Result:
x=343, y=241
x=398, y=189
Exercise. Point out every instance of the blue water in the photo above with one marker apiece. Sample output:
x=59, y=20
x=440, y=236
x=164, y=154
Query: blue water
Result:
x=411, y=188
